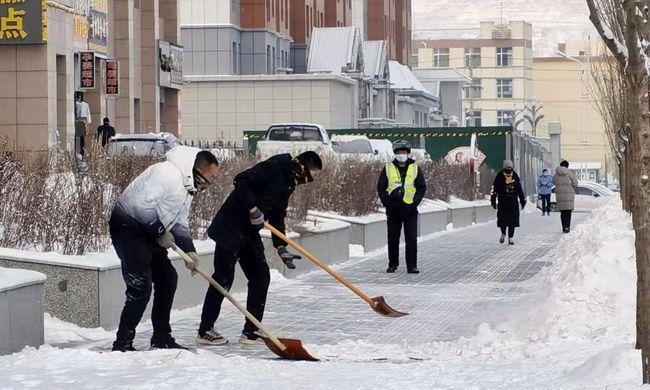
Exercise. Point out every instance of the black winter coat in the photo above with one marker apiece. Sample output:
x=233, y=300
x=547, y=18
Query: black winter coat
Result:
x=395, y=206
x=267, y=186
x=508, y=199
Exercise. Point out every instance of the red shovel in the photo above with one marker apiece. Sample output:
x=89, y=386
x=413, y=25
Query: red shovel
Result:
x=290, y=349
x=377, y=304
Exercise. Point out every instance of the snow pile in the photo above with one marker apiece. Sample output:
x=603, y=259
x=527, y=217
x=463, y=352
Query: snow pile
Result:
x=593, y=279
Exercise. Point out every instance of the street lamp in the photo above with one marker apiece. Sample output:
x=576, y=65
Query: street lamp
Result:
x=583, y=106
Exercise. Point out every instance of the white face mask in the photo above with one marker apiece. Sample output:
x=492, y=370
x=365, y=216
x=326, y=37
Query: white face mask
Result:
x=401, y=158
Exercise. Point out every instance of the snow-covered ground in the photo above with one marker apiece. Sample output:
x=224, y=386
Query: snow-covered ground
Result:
x=578, y=335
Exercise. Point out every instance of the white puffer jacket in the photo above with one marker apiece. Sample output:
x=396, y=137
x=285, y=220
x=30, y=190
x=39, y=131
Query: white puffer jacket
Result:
x=164, y=192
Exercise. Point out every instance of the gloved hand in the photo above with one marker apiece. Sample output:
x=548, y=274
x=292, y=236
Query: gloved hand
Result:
x=523, y=204
x=397, y=195
x=287, y=257
x=192, y=267
x=493, y=201
x=257, y=218
x=166, y=240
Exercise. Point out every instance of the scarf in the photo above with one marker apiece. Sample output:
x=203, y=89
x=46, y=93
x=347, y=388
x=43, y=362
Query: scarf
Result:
x=509, y=178
x=301, y=174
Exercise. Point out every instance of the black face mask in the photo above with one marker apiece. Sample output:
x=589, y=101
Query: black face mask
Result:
x=508, y=170
x=301, y=174
x=200, y=182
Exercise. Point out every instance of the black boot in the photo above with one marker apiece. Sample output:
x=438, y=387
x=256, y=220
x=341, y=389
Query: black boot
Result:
x=413, y=270
x=166, y=344
x=126, y=346
x=391, y=269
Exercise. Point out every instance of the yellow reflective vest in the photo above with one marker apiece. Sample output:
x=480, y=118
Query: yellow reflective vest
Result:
x=395, y=181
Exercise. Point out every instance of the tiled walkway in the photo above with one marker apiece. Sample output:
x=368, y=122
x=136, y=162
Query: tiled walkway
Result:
x=466, y=278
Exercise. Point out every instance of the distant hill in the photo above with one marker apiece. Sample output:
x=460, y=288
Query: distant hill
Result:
x=553, y=20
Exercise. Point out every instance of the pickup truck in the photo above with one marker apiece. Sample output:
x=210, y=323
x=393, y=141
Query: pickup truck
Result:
x=294, y=138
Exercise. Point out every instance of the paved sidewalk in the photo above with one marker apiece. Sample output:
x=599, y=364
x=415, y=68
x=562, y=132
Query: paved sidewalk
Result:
x=466, y=278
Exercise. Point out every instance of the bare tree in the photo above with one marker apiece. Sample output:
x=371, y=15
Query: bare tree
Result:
x=611, y=100
x=623, y=26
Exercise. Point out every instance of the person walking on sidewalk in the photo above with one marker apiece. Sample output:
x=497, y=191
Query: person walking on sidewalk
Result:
x=401, y=187
x=105, y=132
x=565, y=193
x=545, y=188
x=507, y=196
x=261, y=193
x=149, y=216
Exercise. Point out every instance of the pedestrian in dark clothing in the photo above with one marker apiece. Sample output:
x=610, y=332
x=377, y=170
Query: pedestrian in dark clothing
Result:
x=105, y=132
x=565, y=193
x=401, y=187
x=507, y=196
x=149, y=216
x=545, y=188
x=261, y=193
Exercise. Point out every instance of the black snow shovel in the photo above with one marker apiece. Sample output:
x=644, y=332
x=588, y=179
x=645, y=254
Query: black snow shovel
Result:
x=377, y=304
x=290, y=349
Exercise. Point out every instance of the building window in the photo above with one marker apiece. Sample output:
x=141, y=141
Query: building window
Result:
x=235, y=57
x=274, y=61
x=473, y=57
x=504, y=56
x=268, y=59
x=440, y=58
x=473, y=118
x=504, y=88
x=268, y=10
x=505, y=117
x=286, y=14
x=473, y=91
x=307, y=19
x=273, y=8
x=239, y=58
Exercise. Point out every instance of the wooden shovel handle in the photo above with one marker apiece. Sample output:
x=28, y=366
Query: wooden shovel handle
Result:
x=319, y=263
x=232, y=300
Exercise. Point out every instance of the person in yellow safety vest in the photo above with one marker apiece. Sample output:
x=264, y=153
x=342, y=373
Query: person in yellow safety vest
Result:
x=401, y=187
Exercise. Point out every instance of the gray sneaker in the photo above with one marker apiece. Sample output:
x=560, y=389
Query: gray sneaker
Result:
x=211, y=338
x=252, y=338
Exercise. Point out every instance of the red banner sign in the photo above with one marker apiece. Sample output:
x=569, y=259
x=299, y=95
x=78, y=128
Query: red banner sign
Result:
x=87, y=63
x=112, y=77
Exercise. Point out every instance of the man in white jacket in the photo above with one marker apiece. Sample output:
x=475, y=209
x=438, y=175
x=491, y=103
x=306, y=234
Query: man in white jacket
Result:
x=150, y=215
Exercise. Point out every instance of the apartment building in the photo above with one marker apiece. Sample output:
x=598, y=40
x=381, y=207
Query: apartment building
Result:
x=235, y=37
x=563, y=82
x=498, y=58
x=62, y=49
x=338, y=13
x=386, y=20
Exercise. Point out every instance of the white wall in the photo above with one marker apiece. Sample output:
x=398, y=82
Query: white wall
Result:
x=221, y=108
x=210, y=12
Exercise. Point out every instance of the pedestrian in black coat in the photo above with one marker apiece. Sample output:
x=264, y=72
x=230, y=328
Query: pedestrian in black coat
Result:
x=507, y=196
x=261, y=193
x=398, y=212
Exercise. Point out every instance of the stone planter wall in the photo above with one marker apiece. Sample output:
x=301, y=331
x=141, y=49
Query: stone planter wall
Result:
x=21, y=310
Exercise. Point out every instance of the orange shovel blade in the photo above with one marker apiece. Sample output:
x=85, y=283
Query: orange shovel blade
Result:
x=294, y=350
x=382, y=308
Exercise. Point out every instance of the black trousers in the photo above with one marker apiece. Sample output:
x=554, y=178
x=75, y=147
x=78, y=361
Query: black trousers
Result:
x=546, y=203
x=395, y=222
x=144, y=263
x=254, y=265
x=565, y=217
x=81, y=144
x=511, y=231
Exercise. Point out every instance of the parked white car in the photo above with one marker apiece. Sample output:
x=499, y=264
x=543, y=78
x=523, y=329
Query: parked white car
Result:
x=589, y=196
x=355, y=146
x=294, y=138
x=420, y=155
x=152, y=144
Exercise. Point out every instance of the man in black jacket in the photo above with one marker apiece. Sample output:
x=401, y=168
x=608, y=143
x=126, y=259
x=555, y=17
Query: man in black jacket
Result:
x=401, y=187
x=105, y=132
x=261, y=193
